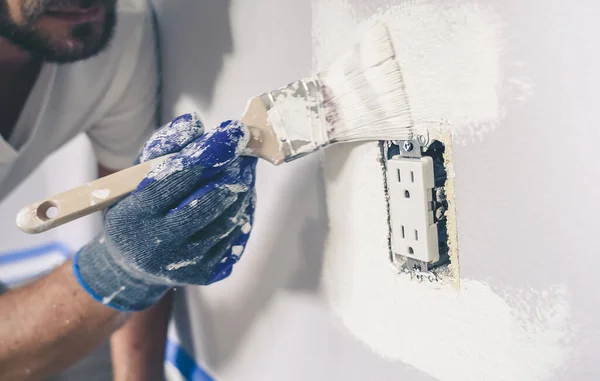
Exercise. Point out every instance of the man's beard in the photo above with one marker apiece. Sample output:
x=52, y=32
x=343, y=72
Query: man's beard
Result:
x=39, y=44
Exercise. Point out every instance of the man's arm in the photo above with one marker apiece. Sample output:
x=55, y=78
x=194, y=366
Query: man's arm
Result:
x=138, y=348
x=50, y=324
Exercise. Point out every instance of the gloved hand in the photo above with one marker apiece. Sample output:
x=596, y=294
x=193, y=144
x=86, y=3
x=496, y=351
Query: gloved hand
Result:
x=186, y=224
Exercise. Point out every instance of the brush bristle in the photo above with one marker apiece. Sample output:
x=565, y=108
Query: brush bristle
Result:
x=361, y=96
x=376, y=45
x=364, y=94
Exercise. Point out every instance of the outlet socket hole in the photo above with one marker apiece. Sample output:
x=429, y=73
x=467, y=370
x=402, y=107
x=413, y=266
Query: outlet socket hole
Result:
x=411, y=251
x=399, y=177
x=412, y=177
x=403, y=232
x=416, y=235
x=406, y=194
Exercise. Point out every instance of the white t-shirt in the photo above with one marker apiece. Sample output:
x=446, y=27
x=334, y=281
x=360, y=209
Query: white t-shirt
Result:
x=112, y=97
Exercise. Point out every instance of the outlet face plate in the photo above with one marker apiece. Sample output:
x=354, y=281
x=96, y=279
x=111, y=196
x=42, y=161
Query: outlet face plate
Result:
x=410, y=185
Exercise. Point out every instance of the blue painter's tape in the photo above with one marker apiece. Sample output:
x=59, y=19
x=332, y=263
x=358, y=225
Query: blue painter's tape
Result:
x=186, y=365
x=38, y=251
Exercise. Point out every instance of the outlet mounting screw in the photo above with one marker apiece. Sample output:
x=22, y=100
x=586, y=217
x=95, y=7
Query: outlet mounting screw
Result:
x=440, y=213
x=408, y=146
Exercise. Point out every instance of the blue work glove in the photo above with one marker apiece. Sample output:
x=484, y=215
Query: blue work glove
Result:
x=186, y=224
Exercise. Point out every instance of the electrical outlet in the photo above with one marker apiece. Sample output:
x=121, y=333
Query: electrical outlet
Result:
x=414, y=231
x=415, y=188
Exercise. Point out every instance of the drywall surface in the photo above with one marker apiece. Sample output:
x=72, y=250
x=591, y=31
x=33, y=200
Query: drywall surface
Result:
x=527, y=305
x=313, y=297
x=267, y=321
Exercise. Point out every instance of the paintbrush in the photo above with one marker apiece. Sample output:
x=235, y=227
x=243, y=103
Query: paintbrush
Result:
x=360, y=97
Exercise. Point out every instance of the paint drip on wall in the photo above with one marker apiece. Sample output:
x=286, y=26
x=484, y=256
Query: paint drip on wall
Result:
x=451, y=53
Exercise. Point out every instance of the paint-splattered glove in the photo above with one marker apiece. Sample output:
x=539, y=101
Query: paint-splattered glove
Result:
x=186, y=224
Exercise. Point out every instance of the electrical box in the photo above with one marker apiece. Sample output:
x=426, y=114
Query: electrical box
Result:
x=415, y=188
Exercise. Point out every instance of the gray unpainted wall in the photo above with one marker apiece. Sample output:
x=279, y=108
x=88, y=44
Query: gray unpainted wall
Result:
x=526, y=219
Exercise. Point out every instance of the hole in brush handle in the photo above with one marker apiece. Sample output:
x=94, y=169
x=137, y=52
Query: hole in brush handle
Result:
x=47, y=211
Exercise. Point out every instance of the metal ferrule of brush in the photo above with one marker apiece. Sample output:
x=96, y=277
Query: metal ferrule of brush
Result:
x=297, y=117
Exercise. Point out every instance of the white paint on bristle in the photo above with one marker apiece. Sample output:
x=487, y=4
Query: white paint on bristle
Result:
x=362, y=98
x=366, y=92
x=450, y=55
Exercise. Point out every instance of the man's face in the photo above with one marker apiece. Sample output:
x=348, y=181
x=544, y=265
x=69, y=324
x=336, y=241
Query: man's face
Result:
x=58, y=30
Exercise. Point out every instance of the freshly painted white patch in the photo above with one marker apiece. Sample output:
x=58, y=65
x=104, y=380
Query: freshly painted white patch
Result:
x=450, y=52
x=471, y=334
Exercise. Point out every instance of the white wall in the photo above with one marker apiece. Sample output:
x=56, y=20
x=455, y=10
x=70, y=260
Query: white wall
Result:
x=538, y=194
x=266, y=321
x=528, y=307
x=524, y=192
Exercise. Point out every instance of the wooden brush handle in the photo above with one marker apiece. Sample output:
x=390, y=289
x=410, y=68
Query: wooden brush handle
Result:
x=264, y=143
x=47, y=214
x=83, y=200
